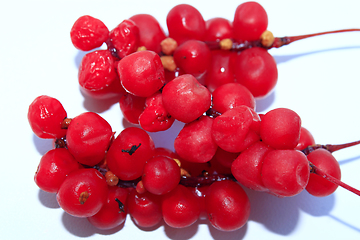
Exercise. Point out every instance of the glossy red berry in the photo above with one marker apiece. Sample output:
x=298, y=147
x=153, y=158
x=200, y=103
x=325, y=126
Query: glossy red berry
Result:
x=83, y=193
x=227, y=205
x=53, y=168
x=113, y=212
x=161, y=175
x=124, y=38
x=129, y=152
x=250, y=21
x=185, y=98
x=88, y=33
x=144, y=208
x=131, y=107
x=285, y=172
x=141, y=73
x=88, y=138
x=194, y=142
x=180, y=207
x=185, y=22
x=45, y=115
x=194, y=57
x=280, y=128
x=97, y=72
x=306, y=139
x=232, y=95
x=151, y=33
x=218, y=29
x=324, y=160
x=155, y=117
x=256, y=69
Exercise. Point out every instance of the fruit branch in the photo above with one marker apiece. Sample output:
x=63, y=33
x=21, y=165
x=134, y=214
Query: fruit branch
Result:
x=330, y=147
x=321, y=173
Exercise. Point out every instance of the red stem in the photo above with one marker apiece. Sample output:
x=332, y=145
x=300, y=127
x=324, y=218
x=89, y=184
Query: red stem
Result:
x=330, y=178
x=279, y=42
x=330, y=147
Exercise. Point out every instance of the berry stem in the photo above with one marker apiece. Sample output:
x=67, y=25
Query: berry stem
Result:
x=330, y=147
x=330, y=178
x=279, y=42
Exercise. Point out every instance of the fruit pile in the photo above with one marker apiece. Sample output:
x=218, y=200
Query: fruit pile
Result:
x=205, y=74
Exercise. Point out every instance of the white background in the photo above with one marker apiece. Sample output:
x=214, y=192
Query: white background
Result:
x=318, y=78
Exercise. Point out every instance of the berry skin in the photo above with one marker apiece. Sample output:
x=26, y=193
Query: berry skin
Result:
x=250, y=21
x=45, y=115
x=161, y=175
x=180, y=207
x=184, y=23
x=83, y=193
x=185, y=98
x=194, y=142
x=88, y=137
x=306, y=139
x=129, y=152
x=194, y=57
x=280, y=128
x=131, y=107
x=256, y=69
x=218, y=29
x=88, y=33
x=113, y=212
x=53, y=168
x=124, y=38
x=144, y=208
x=97, y=73
x=232, y=95
x=246, y=168
x=141, y=73
x=285, y=172
x=230, y=129
x=324, y=160
x=227, y=205
x=151, y=33
x=155, y=117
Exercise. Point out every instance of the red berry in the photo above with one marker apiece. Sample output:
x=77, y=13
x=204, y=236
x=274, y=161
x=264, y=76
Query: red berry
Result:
x=306, y=139
x=144, y=208
x=53, y=168
x=113, y=212
x=250, y=21
x=83, y=193
x=194, y=57
x=161, y=175
x=230, y=129
x=180, y=207
x=324, y=160
x=185, y=98
x=88, y=138
x=227, y=205
x=151, y=33
x=194, y=142
x=97, y=72
x=247, y=166
x=280, y=128
x=285, y=172
x=185, y=22
x=256, y=69
x=232, y=95
x=124, y=38
x=218, y=29
x=129, y=152
x=155, y=117
x=45, y=115
x=131, y=107
x=141, y=73
x=88, y=33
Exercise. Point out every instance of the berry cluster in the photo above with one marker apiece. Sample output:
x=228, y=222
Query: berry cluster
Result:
x=206, y=74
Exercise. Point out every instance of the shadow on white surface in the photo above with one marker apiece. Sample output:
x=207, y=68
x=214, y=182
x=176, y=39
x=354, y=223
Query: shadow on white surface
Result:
x=48, y=199
x=42, y=145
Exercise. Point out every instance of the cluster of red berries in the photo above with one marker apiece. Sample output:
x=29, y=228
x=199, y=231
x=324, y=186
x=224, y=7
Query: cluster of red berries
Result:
x=206, y=74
